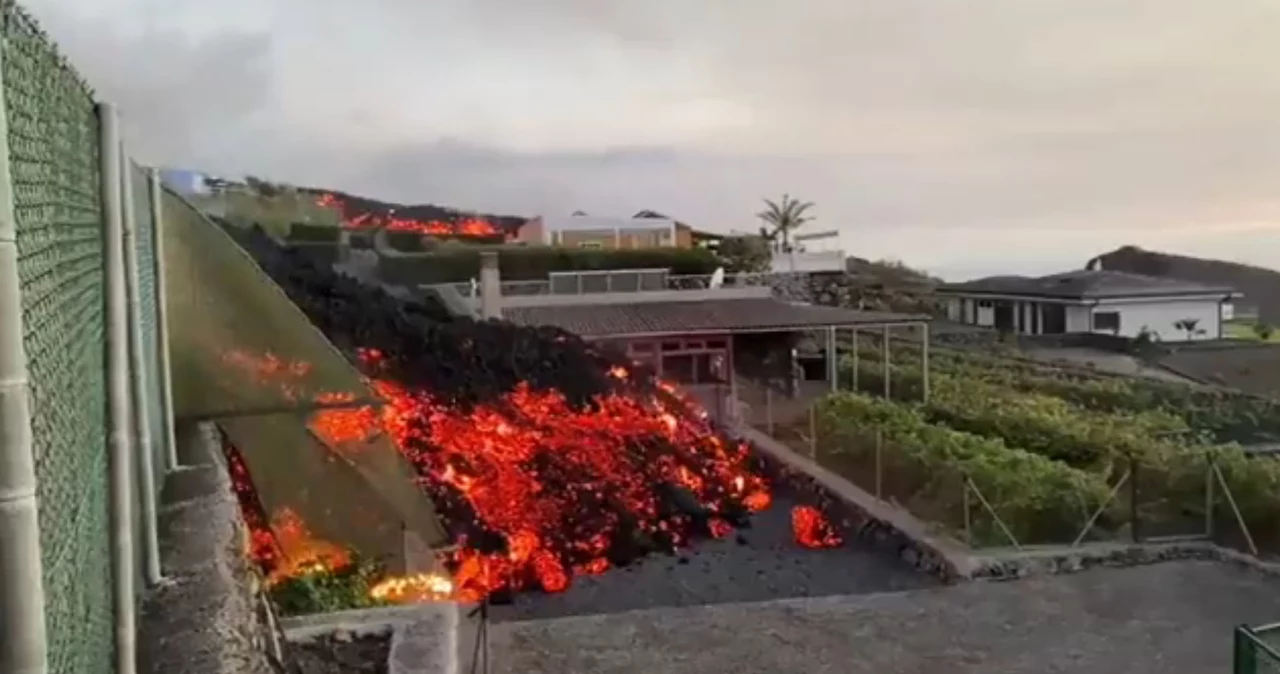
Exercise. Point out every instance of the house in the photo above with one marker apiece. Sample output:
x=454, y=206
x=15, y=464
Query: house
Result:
x=592, y=231
x=1092, y=301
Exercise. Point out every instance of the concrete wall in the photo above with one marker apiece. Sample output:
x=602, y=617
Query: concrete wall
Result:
x=1159, y=317
x=209, y=617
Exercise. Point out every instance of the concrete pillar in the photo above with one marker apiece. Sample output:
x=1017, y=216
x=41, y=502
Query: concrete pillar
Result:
x=887, y=388
x=490, y=286
x=924, y=362
x=833, y=373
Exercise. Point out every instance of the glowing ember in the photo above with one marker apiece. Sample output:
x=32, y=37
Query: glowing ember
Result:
x=414, y=588
x=300, y=551
x=465, y=227
x=812, y=529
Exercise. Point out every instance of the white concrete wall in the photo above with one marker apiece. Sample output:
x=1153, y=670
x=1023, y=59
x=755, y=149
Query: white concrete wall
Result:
x=1080, y=319
x=1159, y=317
x=985, y=315
x=954, y=309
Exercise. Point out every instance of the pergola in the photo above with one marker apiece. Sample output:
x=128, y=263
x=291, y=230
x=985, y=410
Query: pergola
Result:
x=642, y=322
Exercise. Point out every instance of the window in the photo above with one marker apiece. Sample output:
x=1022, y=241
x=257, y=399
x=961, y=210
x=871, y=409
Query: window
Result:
x=985, y=304
x=590, y=244
x=1106, y=321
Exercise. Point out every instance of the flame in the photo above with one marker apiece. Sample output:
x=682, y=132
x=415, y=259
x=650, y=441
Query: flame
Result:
x=812, y=529
x=465, y=227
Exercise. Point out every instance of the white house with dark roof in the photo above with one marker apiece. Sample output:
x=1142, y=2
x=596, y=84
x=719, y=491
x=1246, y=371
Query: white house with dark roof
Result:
x=1092, y=301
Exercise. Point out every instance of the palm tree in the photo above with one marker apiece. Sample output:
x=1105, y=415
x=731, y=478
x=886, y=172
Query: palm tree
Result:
x=783, y=217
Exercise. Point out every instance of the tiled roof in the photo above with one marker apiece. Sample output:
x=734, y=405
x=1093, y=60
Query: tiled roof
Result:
x=1085, y=284
x=729, y=315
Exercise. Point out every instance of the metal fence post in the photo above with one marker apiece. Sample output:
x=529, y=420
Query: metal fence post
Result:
x=23, y=648
x=118, y=394
x=139, y=381
x=169, y=442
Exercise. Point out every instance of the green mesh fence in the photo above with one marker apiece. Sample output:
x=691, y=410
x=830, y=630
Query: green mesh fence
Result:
x=139, y=184
x=1257, y=650
x=53, y=155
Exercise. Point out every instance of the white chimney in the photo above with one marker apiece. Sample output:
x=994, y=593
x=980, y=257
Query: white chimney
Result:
x=490, y=286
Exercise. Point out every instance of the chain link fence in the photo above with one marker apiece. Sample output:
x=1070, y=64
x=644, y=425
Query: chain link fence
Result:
x=53, y=158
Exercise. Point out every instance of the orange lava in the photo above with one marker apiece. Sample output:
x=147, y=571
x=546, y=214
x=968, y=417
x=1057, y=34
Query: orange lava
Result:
x=466, y=227
x=812, y=529
x=557, y=485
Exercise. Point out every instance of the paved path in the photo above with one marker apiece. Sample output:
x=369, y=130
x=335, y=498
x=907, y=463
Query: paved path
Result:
x=760, y=564
x=1172, y=618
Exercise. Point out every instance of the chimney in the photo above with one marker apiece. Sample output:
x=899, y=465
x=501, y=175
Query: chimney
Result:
x=490, y=286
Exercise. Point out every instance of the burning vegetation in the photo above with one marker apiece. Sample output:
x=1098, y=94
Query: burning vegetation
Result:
x=456, y=226
x=546, y=458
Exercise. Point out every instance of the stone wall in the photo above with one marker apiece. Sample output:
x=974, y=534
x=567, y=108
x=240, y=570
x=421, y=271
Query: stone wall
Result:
x=209, y=616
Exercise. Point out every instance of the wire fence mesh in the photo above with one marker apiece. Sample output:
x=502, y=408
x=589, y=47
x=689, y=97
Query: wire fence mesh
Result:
x=53, y=157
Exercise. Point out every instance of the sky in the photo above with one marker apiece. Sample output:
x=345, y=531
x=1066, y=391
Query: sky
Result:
x=966, y=137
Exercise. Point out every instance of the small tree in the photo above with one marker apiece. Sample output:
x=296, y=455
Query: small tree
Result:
x=745, y=253
x=1263, y=330
x=1188, y=325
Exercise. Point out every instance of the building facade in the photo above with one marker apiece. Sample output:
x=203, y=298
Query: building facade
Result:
x=607, y=233
x=1102, y=302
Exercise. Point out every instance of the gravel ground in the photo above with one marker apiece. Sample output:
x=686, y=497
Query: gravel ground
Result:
x=359, y=655
x=1171, y=618
x=768, y=564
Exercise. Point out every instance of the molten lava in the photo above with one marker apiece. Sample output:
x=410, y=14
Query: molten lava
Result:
x=534, y=490
x=812, y=529
x=465, y=227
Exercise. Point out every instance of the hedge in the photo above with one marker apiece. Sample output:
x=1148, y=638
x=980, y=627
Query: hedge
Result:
x=528, y=263
x=303, y=232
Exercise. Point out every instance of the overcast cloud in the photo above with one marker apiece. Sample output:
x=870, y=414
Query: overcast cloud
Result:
x=968, y=137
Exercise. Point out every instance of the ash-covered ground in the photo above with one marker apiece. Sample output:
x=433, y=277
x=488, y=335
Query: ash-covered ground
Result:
x=759, y=564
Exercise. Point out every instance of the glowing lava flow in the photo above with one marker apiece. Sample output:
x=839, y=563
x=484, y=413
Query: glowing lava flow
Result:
x=465, y=227
x=812, y=529
x=537, y=491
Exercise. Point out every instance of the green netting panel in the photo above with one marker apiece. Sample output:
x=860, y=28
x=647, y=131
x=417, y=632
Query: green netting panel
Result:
x=140, y=185
x=53, y=147
x=242, y=353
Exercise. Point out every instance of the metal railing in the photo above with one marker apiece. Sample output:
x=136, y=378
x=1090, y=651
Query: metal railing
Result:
x=607, y=282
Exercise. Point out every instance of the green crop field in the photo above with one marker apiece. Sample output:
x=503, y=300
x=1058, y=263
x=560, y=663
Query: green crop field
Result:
x=1017, y=453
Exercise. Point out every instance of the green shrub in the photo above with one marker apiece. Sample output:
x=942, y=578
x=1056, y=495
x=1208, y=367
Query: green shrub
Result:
x=328, y=590
x=303, y=232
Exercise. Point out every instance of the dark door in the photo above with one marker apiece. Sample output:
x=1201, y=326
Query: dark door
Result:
x=1003, y=317
x=1055, y=319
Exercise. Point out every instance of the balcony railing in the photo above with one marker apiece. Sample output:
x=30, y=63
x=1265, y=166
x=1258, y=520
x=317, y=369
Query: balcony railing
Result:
x=590, y=283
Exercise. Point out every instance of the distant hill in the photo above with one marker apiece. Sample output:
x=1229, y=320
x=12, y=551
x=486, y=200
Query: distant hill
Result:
x=1261, y=286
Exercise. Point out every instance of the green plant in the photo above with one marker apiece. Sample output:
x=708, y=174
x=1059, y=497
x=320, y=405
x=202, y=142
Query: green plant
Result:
x=1037, y=498
x=745, y=253
x=322, y=590
x=1263, y=331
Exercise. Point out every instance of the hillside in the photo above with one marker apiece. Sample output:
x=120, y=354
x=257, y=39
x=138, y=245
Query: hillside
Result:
x=358, y=209
x=1260, y=286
